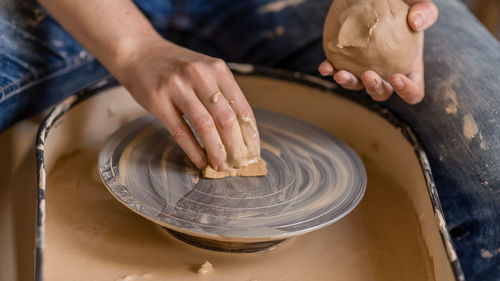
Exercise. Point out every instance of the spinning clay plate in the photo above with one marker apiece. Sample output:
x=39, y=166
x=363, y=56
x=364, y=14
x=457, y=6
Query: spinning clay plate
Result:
x=313, y=180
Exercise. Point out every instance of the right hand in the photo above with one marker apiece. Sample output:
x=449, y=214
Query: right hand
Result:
x=422, y=15
x=171, y=81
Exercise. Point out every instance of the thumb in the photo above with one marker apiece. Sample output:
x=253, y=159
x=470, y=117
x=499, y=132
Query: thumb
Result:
x=422, y=15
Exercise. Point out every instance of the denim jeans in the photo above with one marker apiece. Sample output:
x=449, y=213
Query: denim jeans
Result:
x=457, y=123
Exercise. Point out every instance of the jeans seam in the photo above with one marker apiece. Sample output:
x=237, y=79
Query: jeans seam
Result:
x=26, y=77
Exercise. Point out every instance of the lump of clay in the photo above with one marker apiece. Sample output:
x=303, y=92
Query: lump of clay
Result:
x=248, y=163
x=362, y=35
x=257, y=168
x=206, y=268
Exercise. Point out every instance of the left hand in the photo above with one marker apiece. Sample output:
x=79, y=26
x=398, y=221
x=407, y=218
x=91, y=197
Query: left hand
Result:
x=422, y=15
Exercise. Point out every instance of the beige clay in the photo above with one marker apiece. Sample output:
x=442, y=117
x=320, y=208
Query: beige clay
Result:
x=246, y=162
x=257, y=168
x=215, y=97
x=362, y=35
x=206, y=268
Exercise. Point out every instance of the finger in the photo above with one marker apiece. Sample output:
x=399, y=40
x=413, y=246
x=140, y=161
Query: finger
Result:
x=376, y=87
x=227, y=84
x=225, y=119
x=325, y=68
x=188, y=103
x=410, y=89
x=348, y=81
x=175, y=124
x=422, y=15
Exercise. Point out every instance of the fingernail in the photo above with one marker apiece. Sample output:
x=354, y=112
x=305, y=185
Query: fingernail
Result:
x=202, y=163
x=222, y=167
x=370, y=83
x=250, y=131
x=419, y=20
x=325, y=69
x=378, y=88
x=249, y=127
x=219, y=167
x=341, y=80
x=398, y=84
x=326, y=73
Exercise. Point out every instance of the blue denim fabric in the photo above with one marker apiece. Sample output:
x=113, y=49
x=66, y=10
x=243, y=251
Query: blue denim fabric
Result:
x=246, y=31
x=40, y=64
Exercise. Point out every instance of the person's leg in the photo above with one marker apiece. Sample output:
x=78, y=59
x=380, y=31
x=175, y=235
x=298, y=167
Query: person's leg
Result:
x=457, y=122
x=277, y=33
x=40, y=63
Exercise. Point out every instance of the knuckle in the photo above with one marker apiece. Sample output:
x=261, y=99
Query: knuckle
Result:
x=203, y=121
x=246, y=112
x=226, y=119
x=193, y=67
x=171, y=81
x=178, y=133
x=220, y=65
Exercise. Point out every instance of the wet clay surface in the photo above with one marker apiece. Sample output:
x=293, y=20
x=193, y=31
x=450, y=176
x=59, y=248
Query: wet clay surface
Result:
x=364, y=35
x=312, y=182
x=91, y=236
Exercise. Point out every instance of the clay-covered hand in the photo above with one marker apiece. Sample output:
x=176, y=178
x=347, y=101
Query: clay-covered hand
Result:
x=410, y=87
x=173, y=82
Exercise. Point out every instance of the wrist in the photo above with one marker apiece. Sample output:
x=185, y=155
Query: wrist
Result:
x=128, y=49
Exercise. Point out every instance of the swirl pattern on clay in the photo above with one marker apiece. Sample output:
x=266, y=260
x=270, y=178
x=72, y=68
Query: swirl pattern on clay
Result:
x=313, y=180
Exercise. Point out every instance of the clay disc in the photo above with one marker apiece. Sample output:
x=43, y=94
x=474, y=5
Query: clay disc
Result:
x=313, y=180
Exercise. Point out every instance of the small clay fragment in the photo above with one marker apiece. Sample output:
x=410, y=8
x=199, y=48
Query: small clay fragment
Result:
x=257, y=168
x=206, y=268
x=362, y=35
x=215, y=97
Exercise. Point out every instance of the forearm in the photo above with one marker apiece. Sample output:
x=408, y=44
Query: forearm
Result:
x=110, y=30
x=169, y=81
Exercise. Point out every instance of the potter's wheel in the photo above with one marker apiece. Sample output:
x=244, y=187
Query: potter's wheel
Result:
x=313, y=180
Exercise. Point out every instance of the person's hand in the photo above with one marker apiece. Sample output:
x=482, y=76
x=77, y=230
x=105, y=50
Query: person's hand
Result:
x=172, y=82
x=423, y=14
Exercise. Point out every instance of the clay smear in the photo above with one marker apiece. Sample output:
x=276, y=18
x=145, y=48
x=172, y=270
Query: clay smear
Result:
x=215, y=97
x=470, y=128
